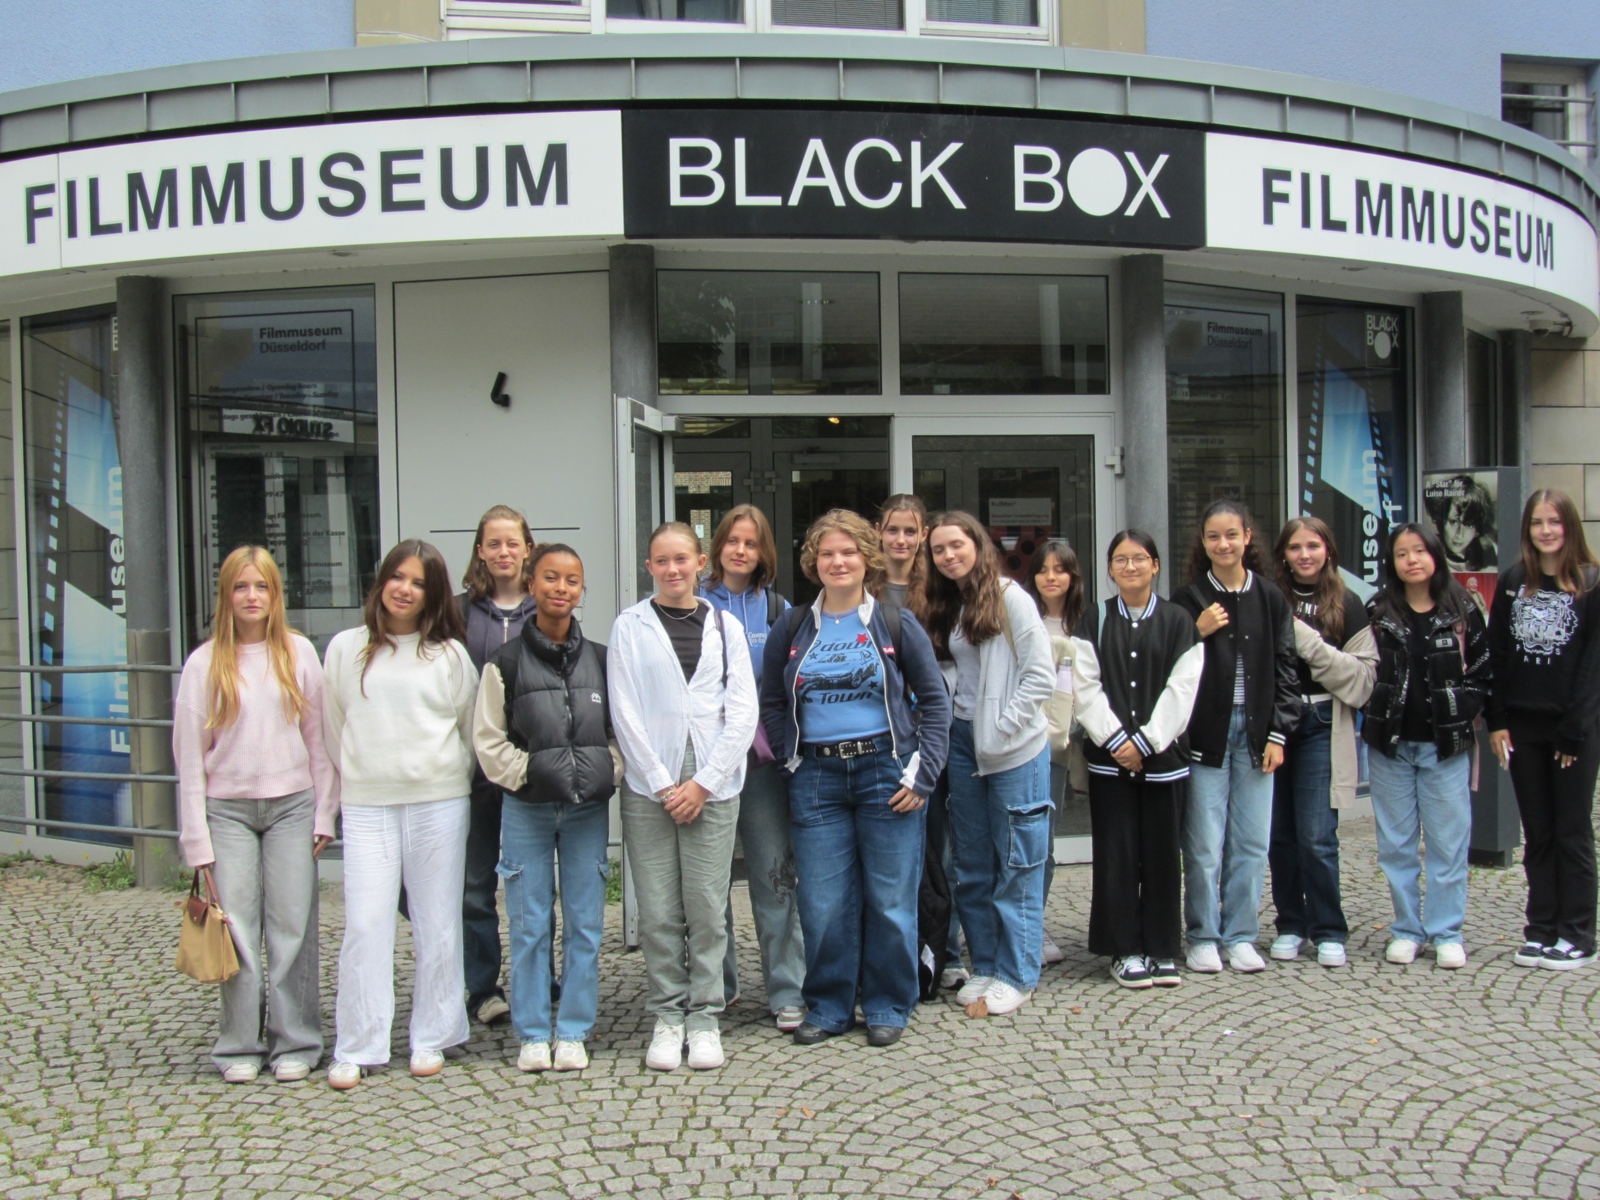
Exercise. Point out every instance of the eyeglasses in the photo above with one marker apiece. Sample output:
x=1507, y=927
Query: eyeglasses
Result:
x=1122, y=562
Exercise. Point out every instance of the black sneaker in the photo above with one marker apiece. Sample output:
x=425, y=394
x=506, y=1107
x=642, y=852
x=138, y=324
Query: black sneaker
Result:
x=1164, y=973
x=1565, y=960
x=1529, y=956
x=1132, y=972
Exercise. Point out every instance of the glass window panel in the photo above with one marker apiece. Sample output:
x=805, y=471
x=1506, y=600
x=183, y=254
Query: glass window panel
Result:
x=768, y=333
x=79, y=606
x=1483, y=400
x=1224, y=405
x=13, y=790
x=984, y=12
x=998, y=335
x=839, y=14
x=724, y=11
x=1355, y=404
x=279, y=395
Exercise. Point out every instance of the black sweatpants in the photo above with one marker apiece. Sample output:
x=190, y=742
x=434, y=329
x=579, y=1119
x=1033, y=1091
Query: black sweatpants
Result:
x=1137, y=903
x=1557, y=831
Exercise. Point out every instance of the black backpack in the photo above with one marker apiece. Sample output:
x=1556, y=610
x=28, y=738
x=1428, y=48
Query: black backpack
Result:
x=933, y=923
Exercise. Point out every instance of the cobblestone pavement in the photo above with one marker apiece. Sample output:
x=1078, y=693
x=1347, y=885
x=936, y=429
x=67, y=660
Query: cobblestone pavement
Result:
x=1376, y=1080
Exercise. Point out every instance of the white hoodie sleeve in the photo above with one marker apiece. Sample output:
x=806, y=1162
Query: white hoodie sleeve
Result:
x=1091, y=707
x=628, y=706
x=1176, y=703
x=723, y=772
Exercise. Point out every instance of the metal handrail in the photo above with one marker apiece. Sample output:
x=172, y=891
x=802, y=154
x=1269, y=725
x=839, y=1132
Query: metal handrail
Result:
x=98, y=669
x=106, y=776
x=39, y=718
x=124, y=830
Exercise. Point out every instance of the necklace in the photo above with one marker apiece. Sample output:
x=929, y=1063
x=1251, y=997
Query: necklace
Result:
x=667, y=612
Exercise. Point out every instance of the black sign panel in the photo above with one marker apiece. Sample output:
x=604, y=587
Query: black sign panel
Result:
x=826, y=173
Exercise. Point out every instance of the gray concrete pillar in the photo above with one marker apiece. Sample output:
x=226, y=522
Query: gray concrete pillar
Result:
x=142, y=445
x=1444, y=380
x=633, y=322
x=1144, y=407
x=1516, y=401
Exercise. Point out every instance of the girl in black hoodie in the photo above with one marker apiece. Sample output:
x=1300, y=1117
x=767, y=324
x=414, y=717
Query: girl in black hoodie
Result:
x=1544, y=721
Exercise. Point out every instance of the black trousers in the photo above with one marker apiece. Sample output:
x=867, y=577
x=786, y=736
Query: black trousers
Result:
x=1137, y=902
x=1557, y=832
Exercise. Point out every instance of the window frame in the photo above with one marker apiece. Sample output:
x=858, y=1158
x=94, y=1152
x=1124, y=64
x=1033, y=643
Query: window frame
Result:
x=1581, y=136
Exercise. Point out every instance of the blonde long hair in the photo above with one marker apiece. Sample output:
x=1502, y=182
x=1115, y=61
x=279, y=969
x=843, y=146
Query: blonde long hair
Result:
x=223, y=678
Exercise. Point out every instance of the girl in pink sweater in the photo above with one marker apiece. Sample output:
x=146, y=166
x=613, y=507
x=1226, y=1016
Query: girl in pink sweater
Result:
x=258, y=796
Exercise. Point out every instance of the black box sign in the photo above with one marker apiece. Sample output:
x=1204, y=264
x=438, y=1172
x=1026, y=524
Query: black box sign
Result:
x=829, y=173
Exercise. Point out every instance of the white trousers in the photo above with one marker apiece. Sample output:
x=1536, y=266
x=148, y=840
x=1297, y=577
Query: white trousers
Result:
x=425, y=846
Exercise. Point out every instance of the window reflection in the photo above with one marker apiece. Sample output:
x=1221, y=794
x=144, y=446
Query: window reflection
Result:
x=984, y=12
x=839, y=14
x=729, y=11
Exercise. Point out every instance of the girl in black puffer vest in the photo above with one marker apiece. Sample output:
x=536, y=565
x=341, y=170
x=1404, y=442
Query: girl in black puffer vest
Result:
x=542, y=734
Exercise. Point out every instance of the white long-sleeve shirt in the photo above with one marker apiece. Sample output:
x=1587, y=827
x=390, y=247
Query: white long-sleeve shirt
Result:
x=654, y=712
x=404, y=734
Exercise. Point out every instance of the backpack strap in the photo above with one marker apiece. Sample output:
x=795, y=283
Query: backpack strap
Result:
x=774, y=607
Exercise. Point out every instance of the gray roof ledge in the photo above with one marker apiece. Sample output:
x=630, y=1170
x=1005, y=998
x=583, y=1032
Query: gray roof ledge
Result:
x=809, y=68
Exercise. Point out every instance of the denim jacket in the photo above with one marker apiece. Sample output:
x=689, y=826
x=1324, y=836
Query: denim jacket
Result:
x=909, y=670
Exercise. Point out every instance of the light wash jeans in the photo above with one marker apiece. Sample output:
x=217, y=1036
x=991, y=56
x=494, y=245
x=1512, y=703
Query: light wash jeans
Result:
x=680, y=879
x=1001, y=826
x=1226, y=832
x=534, y=837
x=769, y=865
x=267, y=884
x=1415, y=794
x=424, y=845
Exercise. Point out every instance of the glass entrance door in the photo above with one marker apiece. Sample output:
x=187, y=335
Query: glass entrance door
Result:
x=1027, y=480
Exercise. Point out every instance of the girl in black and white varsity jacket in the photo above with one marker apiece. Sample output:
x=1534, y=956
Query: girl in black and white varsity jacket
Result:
x=1135, y=671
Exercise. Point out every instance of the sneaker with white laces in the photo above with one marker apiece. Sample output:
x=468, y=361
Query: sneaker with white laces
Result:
x=571, y=1056
x=1557, y=959
x=1330, y=954
x=1401, y=951
x=974, y=989
x=1049, y=953
x=1529, y=955
x=342, y=1076
x=1245, y=958
x=1450, y=955
x=240, y=1072
x=790, y=1017
x=666, y=1047
x=291, y=1070
x=1204, y=958
x=1164, y=973
x=1002, y=998
x=705, y=1050
x=426, y=1062
x=953, y=977
x=534, y=1056
x=1132, y=971
x=1286, y=947
x=493, y=1009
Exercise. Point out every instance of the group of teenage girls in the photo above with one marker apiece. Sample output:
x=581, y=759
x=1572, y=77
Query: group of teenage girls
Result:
x=923, y=703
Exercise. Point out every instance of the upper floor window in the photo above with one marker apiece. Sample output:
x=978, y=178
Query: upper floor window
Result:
x=1030, y=20
x=719, y=11
x=1552, y=101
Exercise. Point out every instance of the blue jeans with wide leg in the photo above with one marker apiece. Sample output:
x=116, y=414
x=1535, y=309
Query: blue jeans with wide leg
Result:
x=1001, y=824
x=1304, y=855
x=1415, y=797
x=1226, y=832
x=533, y=838
x=860, y=865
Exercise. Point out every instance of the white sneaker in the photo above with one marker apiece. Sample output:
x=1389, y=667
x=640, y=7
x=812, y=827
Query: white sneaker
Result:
x=973, y=989
x=426, y=1062
x=1286, y=947
x=291, y=1070
x=1205, y=959
x=342, y=1076
x=790, y=1017
x=241, y=1072
x=493, y=1009
x=1133, y=971
x=1330, y=954
x=1002, y=998
x=1451, y=955
x=1401, y=951
x=705, y=1050
x=1245, y=958
x=1049, y=953
x=666, y=1047
x=534, y=1056
x=952, y=977
x=571, y=1056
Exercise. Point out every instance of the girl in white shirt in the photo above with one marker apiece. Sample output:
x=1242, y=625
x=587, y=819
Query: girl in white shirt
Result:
x=684, y=712
x=398, y=719
x=258, y=798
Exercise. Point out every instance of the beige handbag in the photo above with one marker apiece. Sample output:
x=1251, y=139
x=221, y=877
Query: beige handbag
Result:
x=1059, y=707
x=205, y=943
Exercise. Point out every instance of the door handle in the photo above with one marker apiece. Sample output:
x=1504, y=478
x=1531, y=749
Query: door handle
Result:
x=497, y=393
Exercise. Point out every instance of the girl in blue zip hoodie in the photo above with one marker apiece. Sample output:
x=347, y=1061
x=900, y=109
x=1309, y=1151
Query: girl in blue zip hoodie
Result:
x=744, y=562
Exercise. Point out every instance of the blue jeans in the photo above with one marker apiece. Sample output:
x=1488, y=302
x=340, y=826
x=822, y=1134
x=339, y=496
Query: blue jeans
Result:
x=860, y=865
x=531, y=835
x=1415, y=794
x=1226, y=831
x=769, y=867
x=1001, y=828
x=1305, y=833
